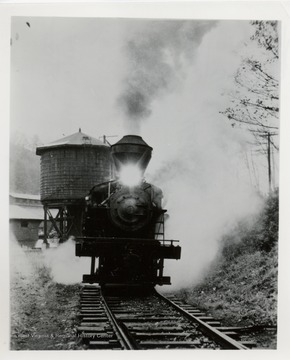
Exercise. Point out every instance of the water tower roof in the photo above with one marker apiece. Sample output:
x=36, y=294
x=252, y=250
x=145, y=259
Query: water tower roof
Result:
x=76, y=139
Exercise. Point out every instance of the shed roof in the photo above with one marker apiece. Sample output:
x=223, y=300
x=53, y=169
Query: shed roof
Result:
x=76, y=139
x=25, y=196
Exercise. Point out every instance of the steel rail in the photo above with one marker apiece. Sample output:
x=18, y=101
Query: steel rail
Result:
x=124, y=338
x=224, y=340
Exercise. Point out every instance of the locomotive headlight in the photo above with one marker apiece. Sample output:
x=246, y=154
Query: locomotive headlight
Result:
x=130, y=175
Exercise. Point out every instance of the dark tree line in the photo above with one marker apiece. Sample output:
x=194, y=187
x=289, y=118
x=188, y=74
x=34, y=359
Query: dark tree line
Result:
x=24, y=165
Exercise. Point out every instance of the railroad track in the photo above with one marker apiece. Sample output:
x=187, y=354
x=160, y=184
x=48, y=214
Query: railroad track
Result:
x=149, y=322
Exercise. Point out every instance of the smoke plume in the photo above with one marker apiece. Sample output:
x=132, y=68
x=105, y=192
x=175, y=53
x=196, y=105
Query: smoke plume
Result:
x=157, y=57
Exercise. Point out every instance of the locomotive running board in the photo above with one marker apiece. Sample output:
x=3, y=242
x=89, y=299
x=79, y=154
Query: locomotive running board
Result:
x=164, y=249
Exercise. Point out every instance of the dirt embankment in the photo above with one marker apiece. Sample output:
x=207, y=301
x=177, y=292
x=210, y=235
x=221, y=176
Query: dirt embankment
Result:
x=43, y=313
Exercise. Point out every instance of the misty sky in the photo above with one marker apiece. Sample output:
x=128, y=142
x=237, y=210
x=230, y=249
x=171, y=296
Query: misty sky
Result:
x=68, y=73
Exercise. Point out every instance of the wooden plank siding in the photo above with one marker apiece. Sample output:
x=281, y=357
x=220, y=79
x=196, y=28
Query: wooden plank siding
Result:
x=70, y=172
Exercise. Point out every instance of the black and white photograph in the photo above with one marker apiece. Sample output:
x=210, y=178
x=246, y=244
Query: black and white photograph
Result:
x=144, y=173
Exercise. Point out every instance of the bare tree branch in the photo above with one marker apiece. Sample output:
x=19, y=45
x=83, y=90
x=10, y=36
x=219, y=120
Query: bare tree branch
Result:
x=255, y=100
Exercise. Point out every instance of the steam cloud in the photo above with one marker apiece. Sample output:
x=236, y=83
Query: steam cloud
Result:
x=201, y=210
x=64, y=266
x=197, y=156
x=157, y=57
x=22, y=267
x=197, y=163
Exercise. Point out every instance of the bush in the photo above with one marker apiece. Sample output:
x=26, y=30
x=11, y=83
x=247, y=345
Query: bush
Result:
x=259, y=234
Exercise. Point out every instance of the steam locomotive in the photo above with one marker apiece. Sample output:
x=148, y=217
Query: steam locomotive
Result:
x=123, y=223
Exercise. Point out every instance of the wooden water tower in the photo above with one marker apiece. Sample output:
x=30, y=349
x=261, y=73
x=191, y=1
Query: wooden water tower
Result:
x=70, y=167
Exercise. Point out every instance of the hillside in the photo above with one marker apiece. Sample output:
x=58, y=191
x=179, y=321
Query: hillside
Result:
x=241, y=286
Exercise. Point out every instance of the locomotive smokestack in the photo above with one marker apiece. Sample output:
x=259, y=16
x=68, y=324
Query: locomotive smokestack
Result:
x=131, y=150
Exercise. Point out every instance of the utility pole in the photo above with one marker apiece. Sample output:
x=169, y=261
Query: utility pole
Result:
x=269, y=142
x=105, y=141
x=269, y=161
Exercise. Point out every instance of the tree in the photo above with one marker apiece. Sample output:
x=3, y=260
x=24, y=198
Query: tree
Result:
x=266, y=34
x=255, y=99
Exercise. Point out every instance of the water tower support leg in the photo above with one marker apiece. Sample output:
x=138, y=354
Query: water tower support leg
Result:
x=93, y=264
x=45, y=226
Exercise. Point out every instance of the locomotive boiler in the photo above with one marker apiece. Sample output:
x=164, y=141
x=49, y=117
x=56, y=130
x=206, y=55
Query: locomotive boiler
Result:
x=123, y=223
